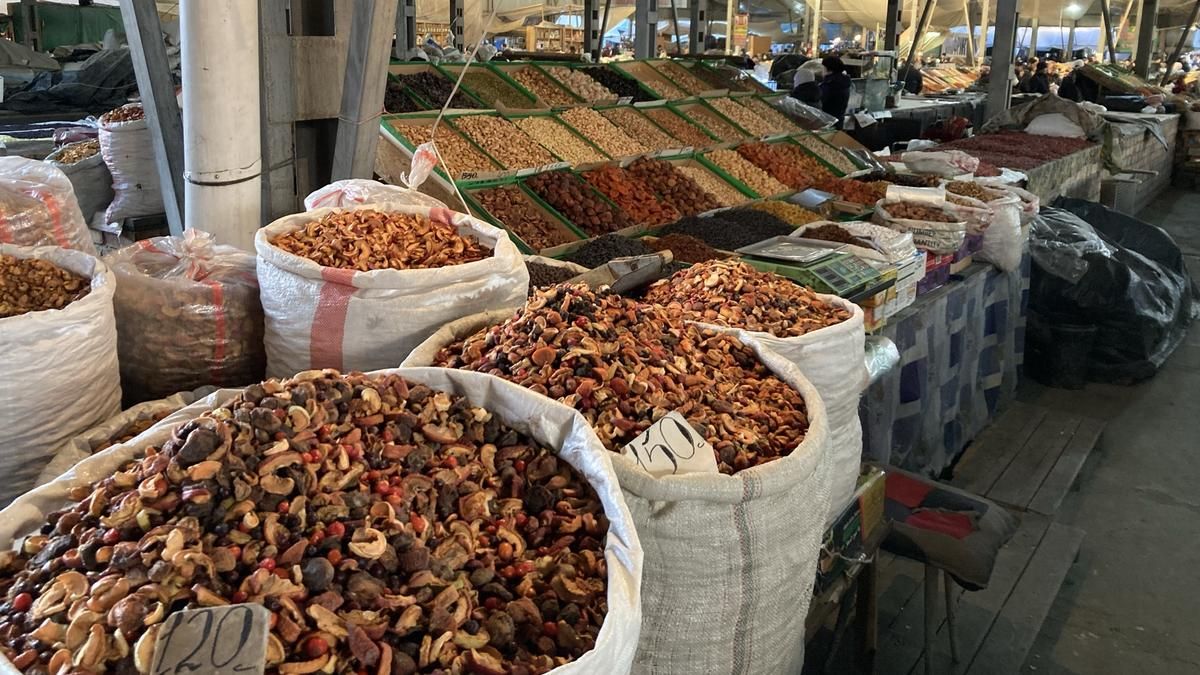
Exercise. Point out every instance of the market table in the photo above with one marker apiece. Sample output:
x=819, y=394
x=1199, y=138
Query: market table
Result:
x=1075, y=175
x=961, y=349
x=929, y=111
x=1144, y=145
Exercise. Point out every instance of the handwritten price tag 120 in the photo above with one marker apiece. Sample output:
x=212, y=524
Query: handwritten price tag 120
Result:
x=226, y=640
x=670, y=447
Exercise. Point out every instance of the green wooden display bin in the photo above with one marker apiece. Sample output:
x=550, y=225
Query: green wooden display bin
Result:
x=452, y=70
x=408, y=68
x=505, y=67
x=683, y=108
x=832, y=148
x=639, y=110
x=709, y=91
x=559, y=164
x=698, y=159
x=644, y=107
x=623, y=68
x=477, y=209
x=712, y=166
x=756, y=86
x=554, y=116
x=791, y=141
x=447, y=119
x=627, y=231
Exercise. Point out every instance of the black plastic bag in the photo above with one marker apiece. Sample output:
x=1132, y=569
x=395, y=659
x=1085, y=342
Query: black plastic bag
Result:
x=1096, y=267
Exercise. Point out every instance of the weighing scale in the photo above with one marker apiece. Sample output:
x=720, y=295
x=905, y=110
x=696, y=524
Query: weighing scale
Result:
x=877, y=70
x=825, y=270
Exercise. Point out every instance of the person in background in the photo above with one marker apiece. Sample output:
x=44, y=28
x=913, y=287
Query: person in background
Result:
x=912, y=78
x=1040, y=82
x=805, y=88
x=835, y=88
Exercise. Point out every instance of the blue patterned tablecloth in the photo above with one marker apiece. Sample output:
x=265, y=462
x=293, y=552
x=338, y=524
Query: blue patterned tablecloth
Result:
x=961, y=349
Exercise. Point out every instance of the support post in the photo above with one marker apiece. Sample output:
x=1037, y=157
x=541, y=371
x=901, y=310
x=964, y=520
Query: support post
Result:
x=1107, y=25
x=922, y=26
x=970, y=37
x=698, y=19
x=730, y=9
x=645, y=28
x=603, y=30
x=1070, y=55
x=675, y=24
x=1187, y=31
x=1124, y=21
x=891, y=29
x=1033, y=26
x=981, y=44
x=999, y=88
x=815, y=28
x=1137, y=22
x=363, y=88
x=150, y=65
x=590, y=17
x=457, y=23
x=406, y=28
x=278, y=105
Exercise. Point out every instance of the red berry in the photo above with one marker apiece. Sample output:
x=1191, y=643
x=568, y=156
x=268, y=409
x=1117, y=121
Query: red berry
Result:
x=22, y=602
x=315, y=647
x=334, y=556
x=316, y=537
x=111, y=536
x=550, y=629
x=492, y=603
x=383, y=487
x=451, y=462
x=283, y=507
x=508, y=572
x=336, y=529
x=519, y=465
x=394, y=498
x=236, y=551
x=238, y=597
x=267, y=564
x=522, y=519
x=282, y=573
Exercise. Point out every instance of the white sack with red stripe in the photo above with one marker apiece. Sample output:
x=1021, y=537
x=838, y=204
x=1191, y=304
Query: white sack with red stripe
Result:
x=38, y=207
x=324, y=317
x=188, y=316
x=128, y=150
x=58, y=370
x=355, y=191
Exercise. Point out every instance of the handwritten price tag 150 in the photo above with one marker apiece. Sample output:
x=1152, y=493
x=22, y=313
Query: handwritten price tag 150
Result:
x=226, y=640
x=671, y=446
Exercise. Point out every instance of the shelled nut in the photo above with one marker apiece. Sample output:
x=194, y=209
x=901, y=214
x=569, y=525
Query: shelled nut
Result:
x=795, y=170
x=629, y=193
x=675, y=188
x=792, y=214
x=754, y=178
x=583, y=86
x=689, y=134
x=713, y=122
x=510, y=146
x=768, y=112
x=578, y=203
x=458, y=153
x=558, y=139
x=639, y=128
x=491, y=89
x=387, y=527
x=743, y=117
x=650, y=77
x=372, y=240
x=622, y=86
x=34, y=285
x=715, y=186
x=517, y=213
x=830, y=154
x=682, y=76
x=603, y=133
x=542, y=86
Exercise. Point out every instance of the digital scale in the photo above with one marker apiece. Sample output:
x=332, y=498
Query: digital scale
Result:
x=825, y=269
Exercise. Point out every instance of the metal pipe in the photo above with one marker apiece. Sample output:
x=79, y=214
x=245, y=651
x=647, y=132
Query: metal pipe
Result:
x=970, y=36
x=603, y=26
x=1145, y=47
x=1187, y=31
x=892, y=27
x=1106, y=26
x=222, y=144
x=675, y=21
x=999, y=87
x=981, y=45
x=922, y=23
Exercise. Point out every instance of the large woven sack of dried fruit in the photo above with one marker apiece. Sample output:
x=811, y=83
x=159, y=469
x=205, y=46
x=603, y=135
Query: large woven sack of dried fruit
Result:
x=355, y=191
x=363, y=535
x=84, y=166
x=996, y=214
x=124, y=426
x=827, y=349
x=729, y=557
x=934, y=227
x=59, y=363
x=128, y=151
x=38, y=207
x=371, y=316
x=190, y=286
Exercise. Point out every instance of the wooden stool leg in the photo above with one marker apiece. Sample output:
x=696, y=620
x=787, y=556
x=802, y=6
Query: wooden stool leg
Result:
x=950, y=615
x=931, y=597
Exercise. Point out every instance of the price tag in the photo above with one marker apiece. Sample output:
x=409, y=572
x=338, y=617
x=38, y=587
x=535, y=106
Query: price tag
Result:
x=812, y=198
x=625, y=100
x=864, y=120
x=672, y=447
x=468, y=175
x=226, y=640
x=882, y=114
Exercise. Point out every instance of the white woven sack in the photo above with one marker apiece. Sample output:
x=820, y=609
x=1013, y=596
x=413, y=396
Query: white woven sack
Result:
x=354, y=191
x=91, y=180
x=59, y=370
x=1004, y=241
x=832, y=360
x=1030, y=203
x=321, y=317
x=729, y=560
x=547, y=421
x=79, y=448
x=39, y=207
x=128, y=150
x=928, y=235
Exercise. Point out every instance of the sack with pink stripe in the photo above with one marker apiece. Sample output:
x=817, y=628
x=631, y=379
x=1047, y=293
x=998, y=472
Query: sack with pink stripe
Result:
x=38, y=207
x=326, y=317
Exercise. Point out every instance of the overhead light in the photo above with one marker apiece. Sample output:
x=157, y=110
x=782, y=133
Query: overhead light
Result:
x=857, y=37
x=1072, y=8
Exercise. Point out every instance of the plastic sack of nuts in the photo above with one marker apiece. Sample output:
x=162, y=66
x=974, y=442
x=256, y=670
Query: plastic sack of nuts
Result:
x=934, y=224
x=84, y=166
x=446, y=522
x=38, y=207
x=356, y=191
x=128, y=150
x=120, y=428
x=1003, y=243
x=767, y=519
x=320, y=316
x=168, y=287
x=60, y=365
x=788, y=320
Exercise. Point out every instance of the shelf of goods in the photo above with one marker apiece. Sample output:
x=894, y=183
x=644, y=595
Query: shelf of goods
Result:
x=554, y=38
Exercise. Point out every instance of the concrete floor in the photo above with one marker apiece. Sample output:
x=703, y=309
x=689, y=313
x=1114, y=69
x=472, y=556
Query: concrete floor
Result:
x=1129, y=605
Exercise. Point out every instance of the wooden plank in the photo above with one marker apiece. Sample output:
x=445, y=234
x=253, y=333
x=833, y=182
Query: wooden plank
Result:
x=976, y=611
x=367, y=60
x=1060, y=479
x=988, y=457
x=1008, y=642
x=143, y=30
x=1021, y=480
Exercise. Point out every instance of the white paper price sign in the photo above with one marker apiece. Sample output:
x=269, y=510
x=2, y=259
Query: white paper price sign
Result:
x=671, y=446
x=226, y=640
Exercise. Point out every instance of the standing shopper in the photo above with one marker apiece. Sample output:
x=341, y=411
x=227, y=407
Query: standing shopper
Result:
x=835, y=88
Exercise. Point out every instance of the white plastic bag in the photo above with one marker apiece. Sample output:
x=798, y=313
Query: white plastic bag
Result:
x=188, y=315
x=356, y=191
x=86, y=444
x=59, y=370
x=947, y=163
x=1004, y=241
x=1030, y=203
x=320, y=317
x=89, y=177
x=38, y=207
x=1055, y=124
x=729, y=559
x=549, y=422
x=128, y=150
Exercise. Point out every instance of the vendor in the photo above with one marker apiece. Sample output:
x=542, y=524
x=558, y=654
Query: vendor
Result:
x=805, y=88
x=1040, y=82
x=835, y=88
x=912, y=78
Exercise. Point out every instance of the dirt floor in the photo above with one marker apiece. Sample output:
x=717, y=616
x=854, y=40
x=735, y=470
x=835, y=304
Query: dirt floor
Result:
x=1129, y=605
